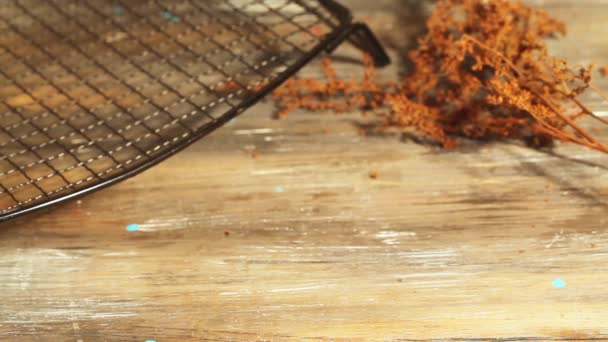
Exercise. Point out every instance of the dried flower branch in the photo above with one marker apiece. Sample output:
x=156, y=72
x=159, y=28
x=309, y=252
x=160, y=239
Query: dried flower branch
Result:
x=482, y=71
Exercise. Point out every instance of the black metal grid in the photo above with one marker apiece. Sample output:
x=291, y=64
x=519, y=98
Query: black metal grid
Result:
x=95, y=91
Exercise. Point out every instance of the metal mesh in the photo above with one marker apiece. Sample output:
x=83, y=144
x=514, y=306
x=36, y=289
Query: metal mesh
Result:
x=92, y=89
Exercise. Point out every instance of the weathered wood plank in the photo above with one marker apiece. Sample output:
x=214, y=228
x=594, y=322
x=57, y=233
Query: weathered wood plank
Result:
x=458, y=244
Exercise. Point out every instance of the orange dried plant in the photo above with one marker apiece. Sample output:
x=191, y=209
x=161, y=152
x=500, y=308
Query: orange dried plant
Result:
x=481, y=71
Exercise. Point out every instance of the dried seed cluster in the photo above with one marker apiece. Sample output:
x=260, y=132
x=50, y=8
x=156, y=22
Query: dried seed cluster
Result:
x=481, y=71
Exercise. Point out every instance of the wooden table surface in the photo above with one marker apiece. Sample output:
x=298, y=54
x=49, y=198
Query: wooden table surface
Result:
x=300, y=243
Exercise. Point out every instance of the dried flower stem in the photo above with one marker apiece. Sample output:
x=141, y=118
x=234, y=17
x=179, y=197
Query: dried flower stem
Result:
x=482, y=71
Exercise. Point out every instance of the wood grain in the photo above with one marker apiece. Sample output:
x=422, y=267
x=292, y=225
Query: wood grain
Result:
x=300, y=243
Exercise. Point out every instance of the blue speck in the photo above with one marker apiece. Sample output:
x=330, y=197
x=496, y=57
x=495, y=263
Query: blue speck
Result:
x=279, y=189
x=558, y=283
x=150, y=340
x=170, y=16
x=118, y=10
x=133, y=227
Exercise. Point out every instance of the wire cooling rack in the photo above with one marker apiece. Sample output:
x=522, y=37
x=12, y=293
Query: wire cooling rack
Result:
x=95, y=91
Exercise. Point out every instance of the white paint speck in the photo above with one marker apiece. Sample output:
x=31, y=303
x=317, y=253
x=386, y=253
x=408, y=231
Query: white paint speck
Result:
x=254, y=131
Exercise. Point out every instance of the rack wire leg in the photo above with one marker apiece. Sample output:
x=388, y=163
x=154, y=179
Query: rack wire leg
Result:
x=364, y=39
